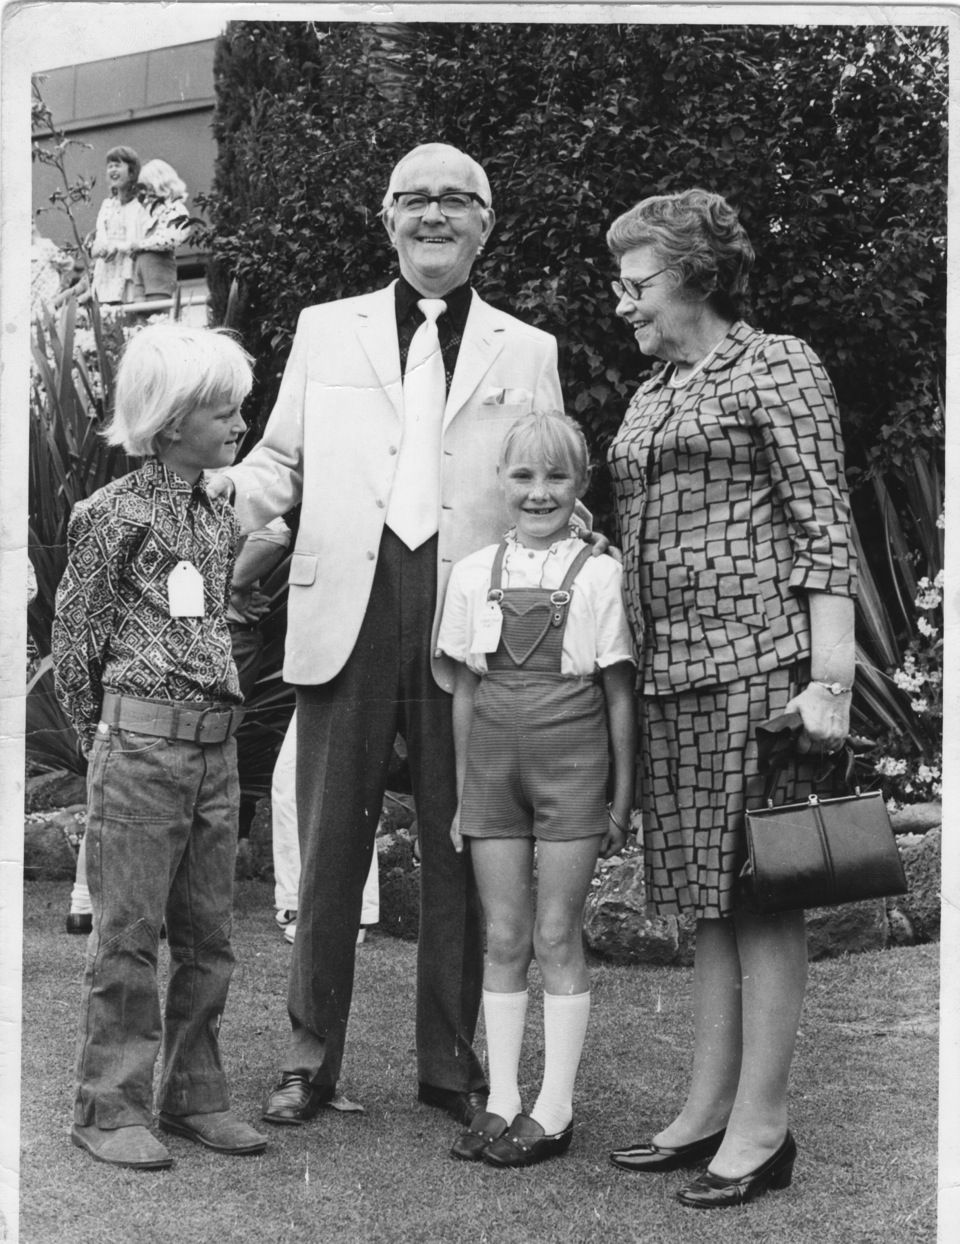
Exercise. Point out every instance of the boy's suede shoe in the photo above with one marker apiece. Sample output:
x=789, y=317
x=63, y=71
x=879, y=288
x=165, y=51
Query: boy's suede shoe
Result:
x=132, y=1146
x=220, y=1131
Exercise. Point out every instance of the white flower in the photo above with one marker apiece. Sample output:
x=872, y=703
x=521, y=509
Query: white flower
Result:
x=908, y=679
x=919, y=706
x=928, y=594
x=927, y=628
x=887, y=766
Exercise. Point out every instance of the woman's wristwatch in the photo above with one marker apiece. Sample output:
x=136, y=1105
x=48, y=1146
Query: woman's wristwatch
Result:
x=835, y=688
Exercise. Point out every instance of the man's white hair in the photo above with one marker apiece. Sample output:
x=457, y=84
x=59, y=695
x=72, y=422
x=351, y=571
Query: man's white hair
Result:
x=479, y=176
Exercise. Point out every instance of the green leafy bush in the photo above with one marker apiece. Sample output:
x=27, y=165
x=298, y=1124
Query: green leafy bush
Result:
x=831, y=140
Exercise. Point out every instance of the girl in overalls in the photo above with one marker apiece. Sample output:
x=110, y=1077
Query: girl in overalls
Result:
x=543, y=697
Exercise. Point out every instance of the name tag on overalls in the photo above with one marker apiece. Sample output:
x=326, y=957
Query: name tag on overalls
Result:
x=486, y=634
x=185, y=591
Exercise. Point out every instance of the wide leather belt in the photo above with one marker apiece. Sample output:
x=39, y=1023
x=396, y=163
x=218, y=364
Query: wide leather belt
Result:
x=166, y=719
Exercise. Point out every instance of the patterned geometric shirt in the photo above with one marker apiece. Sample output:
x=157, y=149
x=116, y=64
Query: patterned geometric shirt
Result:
x=113, y=630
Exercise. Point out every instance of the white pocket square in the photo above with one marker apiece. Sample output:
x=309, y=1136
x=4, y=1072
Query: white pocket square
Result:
x=507, y=397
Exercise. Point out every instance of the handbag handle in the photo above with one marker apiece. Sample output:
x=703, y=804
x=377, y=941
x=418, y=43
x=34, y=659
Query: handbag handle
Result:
x=776, y=747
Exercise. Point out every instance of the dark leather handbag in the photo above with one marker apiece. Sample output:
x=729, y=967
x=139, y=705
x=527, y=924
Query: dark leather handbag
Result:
x=819, y=853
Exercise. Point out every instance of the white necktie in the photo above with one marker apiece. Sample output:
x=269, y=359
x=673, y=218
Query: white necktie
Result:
x=414, y=509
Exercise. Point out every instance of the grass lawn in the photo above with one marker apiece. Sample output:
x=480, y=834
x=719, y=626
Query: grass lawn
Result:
x=864, y=1103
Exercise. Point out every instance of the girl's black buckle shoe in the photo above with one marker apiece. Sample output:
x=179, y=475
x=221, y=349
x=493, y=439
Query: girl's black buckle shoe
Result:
x=709, y=1191
x=525, y=1144
x=652, y=1158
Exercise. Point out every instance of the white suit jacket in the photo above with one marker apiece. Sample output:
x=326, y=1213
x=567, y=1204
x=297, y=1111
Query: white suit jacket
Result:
x=332, y=441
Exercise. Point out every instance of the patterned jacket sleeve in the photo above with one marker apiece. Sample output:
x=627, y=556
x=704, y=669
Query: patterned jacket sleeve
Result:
x=85, y=609
x=165, y=226
x=799, y=427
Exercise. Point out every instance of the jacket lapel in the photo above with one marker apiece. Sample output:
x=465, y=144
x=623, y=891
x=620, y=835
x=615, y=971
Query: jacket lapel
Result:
x=483, y=338
x=375, y=323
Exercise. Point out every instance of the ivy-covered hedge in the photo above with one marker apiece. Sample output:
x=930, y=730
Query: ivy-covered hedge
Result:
x=830, y=140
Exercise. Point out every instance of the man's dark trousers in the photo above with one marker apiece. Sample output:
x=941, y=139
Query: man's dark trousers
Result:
x=345, y=734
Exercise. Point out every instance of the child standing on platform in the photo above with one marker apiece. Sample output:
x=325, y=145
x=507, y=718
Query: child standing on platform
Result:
x=543, y=696
x=144, y=670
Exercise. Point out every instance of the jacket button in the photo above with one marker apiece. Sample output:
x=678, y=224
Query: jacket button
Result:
x=392, y=449
x=371, y=557
x=381, y=504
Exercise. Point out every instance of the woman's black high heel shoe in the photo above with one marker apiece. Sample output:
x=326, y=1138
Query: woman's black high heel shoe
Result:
x=648, y=1157
x=709, y=1191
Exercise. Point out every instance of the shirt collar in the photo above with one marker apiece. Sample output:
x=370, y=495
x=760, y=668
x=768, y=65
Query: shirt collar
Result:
x=738, y=337
x=511, y=539
x=162, y=476
x=458, y=300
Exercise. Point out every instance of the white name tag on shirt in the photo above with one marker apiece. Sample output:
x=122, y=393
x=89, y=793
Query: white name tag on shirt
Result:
x=185, y=591
x=486, y=635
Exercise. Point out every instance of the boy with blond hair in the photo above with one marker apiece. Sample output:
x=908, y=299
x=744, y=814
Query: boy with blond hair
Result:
x=144, y=671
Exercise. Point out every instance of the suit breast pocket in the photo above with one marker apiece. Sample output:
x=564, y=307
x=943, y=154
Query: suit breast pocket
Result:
x=504, y=403
x=303, y=569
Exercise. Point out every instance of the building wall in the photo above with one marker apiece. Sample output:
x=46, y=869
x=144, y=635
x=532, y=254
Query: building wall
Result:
x=160, y=103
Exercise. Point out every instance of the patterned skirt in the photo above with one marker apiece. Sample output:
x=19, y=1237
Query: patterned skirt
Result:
x=698, y=772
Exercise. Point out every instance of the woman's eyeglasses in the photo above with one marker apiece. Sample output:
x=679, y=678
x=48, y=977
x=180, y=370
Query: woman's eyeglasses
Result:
x=634, y=289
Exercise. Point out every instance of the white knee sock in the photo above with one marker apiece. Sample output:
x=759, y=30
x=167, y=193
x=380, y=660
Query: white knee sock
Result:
x=565, y=1019
x=504, y=1015
x=80, y=894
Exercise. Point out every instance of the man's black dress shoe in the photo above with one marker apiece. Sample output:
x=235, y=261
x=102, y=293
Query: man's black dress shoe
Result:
x=469, y=1145
x=460, y=1106
x=295, y=1099
x=525, y=1143
x=648, y=1156
x=709, y=1191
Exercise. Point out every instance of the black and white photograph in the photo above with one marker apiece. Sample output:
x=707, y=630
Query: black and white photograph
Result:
x=494, y=408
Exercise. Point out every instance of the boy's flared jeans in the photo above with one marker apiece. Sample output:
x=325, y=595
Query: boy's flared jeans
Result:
x=161, y=846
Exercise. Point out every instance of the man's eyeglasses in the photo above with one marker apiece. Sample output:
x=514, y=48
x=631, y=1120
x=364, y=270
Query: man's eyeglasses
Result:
x=453, y=204
x=634, y=289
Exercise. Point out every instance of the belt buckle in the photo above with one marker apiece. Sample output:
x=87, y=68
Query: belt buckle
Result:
x=559, y=599
x=202, y=724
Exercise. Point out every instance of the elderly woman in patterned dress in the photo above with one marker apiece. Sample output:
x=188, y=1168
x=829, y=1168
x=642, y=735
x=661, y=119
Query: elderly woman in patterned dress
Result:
x=739, y=573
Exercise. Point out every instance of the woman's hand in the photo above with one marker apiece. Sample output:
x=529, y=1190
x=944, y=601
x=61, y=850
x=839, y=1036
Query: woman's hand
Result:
x=614, y=840
x=825, y=716
x=455, y=836
x=219, y=485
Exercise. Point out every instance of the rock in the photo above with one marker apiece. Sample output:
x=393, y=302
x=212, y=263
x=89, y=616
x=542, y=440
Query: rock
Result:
x=920, y=906
x=54, y=789
x=399, y=885
x=616, y=927
x=50, y=841
x=916, y=818
x=255, y=853
x=847, y=929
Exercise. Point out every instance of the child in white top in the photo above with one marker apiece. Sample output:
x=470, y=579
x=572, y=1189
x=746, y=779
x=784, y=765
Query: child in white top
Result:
x=543, y=697
x=119, y=224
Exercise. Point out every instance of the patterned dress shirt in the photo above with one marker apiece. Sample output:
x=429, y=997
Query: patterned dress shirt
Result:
x=113, y=630
x=732, y=505
x=450, y=325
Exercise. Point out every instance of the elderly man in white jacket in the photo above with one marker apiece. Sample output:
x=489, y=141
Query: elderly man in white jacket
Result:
x=388, y=430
